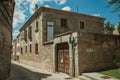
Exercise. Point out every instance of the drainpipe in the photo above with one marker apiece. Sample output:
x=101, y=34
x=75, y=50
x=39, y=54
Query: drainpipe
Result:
x=72, y=42
x=73, y=60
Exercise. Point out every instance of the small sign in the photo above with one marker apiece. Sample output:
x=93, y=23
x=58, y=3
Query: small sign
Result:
x=90, y=50
x=61, y=60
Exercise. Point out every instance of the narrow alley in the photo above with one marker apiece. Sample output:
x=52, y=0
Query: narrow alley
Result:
x=24, y=72
x=20, y=73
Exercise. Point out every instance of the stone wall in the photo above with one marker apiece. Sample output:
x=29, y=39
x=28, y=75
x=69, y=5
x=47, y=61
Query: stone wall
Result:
x=86, y=42
x=6, y=15
x=96, y=51
x=43, y=59
x=91, y=23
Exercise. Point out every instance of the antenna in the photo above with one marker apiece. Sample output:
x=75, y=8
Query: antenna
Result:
x=119, y=17
x=77, y=7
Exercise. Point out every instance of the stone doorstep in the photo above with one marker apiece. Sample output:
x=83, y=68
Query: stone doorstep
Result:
x=98, y=76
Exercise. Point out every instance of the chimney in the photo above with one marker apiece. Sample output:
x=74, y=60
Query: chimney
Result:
x=36, y=7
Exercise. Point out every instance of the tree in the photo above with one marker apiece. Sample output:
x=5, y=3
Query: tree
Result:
x=109, y=28
x=116, y=3
x=118, y=27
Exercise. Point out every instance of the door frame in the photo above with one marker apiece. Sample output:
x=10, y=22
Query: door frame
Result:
x=61, y=39
x=57, y=63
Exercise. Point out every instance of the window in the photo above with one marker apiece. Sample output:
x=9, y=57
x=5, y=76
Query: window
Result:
x=36, y=48
x=64, y=22
x=26, y=49
x=36, y=26
x=50, y=30
x=30, y=48
x=81, y=25
x=30, y=33
x=21, y=50
x=22, y=35
x=25, y=35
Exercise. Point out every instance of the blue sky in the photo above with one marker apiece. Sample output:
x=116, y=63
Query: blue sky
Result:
x=25, y=8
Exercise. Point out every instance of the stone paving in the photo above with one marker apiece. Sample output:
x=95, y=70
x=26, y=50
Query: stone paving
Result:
x=21, y=71
x=24, y=72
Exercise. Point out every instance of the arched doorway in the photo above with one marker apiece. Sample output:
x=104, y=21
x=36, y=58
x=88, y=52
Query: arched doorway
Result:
x=63, y=60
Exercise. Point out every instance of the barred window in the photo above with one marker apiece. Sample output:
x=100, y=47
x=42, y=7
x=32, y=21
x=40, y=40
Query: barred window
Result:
x=26, y=49
x=36, y=30
x=36, y=48
x=64, y=22
x=30, y=33
x=30, y=48
x=21, y=50
x=25, y=35
x=81, y=25
x=36, y=24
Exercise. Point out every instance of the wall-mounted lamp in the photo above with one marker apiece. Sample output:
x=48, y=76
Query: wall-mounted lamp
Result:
x=71, y=39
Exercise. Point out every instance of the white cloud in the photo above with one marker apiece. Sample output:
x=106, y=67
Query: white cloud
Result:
x=19, y=14
x=60, y=1
x=47, y=6
x=67, y=8
x=33, y=2
x=26, y=6
x=98, y=15
x=23, y=5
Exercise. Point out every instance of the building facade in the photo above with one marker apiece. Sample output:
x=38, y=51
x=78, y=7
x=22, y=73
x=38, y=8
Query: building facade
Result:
x=51, y=40
x=14, y=50
x=6, y=17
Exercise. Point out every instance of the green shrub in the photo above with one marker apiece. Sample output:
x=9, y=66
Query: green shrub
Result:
x=117, y=58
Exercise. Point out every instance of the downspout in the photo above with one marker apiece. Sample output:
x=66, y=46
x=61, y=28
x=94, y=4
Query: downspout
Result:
x=73, y=60
x=72, y=42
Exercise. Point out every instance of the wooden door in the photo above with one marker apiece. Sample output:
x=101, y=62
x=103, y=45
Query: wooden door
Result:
x=63, y=61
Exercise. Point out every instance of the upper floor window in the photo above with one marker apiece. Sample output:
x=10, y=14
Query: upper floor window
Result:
x=30, y=48
x=25, y=35
x=82, y=25
x=22, y=35
x=36, y=48
x=21, y=50
x=36, y=30
x=30, y=33
x=64, y=22
x=26, y=49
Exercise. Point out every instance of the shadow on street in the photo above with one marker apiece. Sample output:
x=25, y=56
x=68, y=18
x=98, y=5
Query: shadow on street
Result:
x=20, y=73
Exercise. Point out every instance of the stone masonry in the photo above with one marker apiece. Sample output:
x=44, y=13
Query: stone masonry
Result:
x=6, y=15
x=96, y=51
x=44, y=58
x=37, y=50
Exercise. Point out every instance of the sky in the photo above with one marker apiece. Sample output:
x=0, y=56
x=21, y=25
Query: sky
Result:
x=25, y=8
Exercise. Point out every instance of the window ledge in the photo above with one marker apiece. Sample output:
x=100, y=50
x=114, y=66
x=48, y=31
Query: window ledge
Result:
x=36, y=30
x=48, y=42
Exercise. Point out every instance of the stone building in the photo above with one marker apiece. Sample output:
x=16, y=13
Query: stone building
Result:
x=6, y=17
x=68, y=42
x=14, y=50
